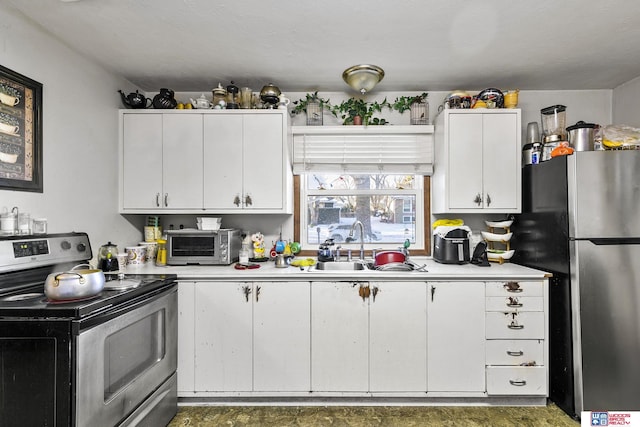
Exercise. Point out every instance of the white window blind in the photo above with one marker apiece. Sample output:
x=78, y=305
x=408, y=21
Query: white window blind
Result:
x=371, y=152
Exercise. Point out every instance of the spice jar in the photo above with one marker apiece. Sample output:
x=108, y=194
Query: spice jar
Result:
x=161, y=257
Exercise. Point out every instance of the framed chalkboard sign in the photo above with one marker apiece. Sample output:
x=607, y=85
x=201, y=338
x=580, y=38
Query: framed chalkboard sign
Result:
x=20, y=132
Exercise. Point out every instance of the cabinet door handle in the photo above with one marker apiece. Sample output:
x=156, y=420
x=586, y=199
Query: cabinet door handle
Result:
x=236, y=200
x=515, y=353
x=514, y=304
x=247, y=291
x=157, y=200
x=488, y=200
x=247, y=200
x=166, y=199
x=478, y=199
x=518, y=383
x=374, y=292
x=433, y=291
x=257, y=293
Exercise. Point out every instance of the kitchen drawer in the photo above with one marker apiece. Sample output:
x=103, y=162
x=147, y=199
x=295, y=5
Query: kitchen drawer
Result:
x=515, y=352
x=516, y=303
x=517, y=380
x=515, y=325
x=508, y=288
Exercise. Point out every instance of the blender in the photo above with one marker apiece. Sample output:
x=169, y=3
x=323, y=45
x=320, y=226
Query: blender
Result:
x=554, y=121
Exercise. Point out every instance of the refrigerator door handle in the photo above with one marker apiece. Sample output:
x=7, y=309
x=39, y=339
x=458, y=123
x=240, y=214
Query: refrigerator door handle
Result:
x=614, y=241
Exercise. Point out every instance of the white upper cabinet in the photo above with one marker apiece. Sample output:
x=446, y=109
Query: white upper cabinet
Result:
x=245, y=163
x=198, y=161
x=478, y=162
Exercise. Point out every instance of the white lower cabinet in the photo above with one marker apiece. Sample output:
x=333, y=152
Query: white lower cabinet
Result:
x=339, y=337
x=186, y=340
x=456, y=343
x=251, y=336
x=377, y=338
x=398, y=337
x=368, y=336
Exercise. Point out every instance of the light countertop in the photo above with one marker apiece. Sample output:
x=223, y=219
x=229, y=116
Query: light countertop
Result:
x=268, y=272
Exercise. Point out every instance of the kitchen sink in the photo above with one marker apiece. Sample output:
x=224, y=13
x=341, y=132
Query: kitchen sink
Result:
x=341, y=266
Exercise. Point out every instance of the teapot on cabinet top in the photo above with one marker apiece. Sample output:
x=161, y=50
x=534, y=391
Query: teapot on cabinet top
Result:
x=165, y=99
x=201, y=102
x=134, y=100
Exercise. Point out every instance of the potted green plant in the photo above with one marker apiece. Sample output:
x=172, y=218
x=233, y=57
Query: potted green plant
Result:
x=355, y=111
x=416, y=104
x=313, y=105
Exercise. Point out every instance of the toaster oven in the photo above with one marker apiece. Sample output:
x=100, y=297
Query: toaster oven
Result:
x=203, y=247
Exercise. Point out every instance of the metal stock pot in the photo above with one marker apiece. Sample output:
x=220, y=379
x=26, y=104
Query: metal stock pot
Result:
x=74, y=284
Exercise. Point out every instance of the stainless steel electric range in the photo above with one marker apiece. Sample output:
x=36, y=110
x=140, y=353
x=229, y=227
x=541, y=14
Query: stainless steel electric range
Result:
x=108, y=360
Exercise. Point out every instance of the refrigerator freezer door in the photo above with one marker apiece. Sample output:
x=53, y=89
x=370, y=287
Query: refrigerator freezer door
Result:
x=604, y=194
x=605, y=297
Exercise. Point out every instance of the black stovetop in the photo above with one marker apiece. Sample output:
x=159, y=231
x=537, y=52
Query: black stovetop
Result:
x=38, y=306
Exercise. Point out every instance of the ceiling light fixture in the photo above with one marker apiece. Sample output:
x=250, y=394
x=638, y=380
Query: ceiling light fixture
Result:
x=364, y=77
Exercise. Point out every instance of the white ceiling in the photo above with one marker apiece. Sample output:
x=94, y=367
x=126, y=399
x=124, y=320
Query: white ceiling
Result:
x=304, y=45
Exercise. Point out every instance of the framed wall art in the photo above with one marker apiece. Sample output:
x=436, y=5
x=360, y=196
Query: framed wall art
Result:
x=20, y=132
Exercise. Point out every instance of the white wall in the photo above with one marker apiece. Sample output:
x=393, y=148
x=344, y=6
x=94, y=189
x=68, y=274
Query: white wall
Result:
x=626, y=106
x=80, y=135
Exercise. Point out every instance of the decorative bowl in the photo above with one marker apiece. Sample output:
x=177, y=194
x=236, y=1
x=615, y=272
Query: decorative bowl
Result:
x=499, y=224
x=494, y=237
x=499, y=255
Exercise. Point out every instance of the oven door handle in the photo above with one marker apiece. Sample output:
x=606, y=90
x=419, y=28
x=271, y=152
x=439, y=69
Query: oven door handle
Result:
x=109, y=314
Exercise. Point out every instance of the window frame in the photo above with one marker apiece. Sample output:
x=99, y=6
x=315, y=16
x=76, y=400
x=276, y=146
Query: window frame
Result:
x=426, y=212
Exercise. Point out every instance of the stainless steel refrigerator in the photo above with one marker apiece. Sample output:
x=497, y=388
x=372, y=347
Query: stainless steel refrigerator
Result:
x=581, y=222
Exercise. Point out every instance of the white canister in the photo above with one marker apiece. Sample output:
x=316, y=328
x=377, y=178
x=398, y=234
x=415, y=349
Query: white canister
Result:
x=151, y=249
x=136, y=255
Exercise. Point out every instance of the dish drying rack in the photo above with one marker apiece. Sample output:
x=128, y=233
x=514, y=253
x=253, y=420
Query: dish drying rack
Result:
x=498, y=240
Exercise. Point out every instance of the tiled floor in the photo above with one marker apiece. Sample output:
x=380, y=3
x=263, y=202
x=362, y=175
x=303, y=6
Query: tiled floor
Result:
x=365, y=416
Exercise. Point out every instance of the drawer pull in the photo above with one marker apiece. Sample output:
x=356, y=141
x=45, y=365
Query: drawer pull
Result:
x=513, y=302
x=518, y=383
x=515, y=353
x=515, y=326
x=512, y=287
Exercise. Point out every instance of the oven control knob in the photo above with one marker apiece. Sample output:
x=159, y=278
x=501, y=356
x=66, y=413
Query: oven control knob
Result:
x=65, y=245
x=81, y=247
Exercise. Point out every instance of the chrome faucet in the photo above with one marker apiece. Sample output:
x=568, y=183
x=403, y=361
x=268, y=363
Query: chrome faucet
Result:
x=350, y=238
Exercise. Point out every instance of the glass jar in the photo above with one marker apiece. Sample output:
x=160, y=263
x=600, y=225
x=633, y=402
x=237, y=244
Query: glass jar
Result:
x=24, y=223
x=39, y=226
x=244, y=254
x=219, y=94
x=161, y=257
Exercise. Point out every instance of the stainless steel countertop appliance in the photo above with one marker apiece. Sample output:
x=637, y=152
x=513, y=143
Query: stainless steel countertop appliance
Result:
x=580, y=222
x=107, y=360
